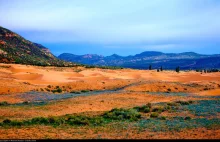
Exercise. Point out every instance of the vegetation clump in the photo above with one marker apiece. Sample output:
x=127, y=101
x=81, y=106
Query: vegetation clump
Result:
x=4, y=103
x=122, y=114
x=145, y=108
x=84, y=91
x=58, y=90
x=154, y=115
x=75, y=92
x=184, y=102
x=158, y=109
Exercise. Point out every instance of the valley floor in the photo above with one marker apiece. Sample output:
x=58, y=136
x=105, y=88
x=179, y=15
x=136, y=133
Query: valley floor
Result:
x=79, y=103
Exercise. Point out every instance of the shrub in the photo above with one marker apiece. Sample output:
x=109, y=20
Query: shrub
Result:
x=169, y=89
x=122, y=114
x=172, y=104
x=206, y=89
x=146, y=110
x=59, y=90
x=39, y=120
x=187, y=118
x=149, y=105
x=78, y=120
x=75, y=92
x=97, y=121
x=183, y=102
x=84, y=91
x=15, y=123
x=4, y=103
x=158, y=109
x=49, y=86
x=154, y=115
x=6, y=121
x=163, y=118
x=25, y=103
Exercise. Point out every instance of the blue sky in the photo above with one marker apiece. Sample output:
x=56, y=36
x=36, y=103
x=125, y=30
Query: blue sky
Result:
x=124, y=27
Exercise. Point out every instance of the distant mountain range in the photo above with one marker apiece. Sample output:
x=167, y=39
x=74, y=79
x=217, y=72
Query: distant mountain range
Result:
x=186, y=60
x=16, y=49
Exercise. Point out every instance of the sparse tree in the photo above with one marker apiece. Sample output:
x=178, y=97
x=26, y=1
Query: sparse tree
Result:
x=150, y=67
x=178, y=69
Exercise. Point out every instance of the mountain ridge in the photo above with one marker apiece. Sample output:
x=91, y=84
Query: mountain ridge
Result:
x=186, y=60
x=16, y=49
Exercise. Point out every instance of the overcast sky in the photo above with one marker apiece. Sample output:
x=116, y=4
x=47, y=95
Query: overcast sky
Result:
x=124, y=27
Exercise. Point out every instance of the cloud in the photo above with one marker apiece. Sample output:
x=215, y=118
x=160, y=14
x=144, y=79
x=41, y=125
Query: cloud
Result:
x=115, y=23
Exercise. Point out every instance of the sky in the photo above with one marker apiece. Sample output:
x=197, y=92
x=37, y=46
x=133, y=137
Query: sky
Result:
x=124, y=27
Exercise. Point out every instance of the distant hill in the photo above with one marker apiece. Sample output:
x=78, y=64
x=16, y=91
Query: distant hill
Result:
x=186, y=60
x=16, y=49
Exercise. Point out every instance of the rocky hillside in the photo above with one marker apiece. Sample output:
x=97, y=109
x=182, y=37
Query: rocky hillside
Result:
x=186, y=60
x=16, y=49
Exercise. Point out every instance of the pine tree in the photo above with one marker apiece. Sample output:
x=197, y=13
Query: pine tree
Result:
x=161, y=68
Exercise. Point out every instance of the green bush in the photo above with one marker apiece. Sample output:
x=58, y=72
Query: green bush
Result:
x=78, y=120
x=84, y=91
x=122, y=114
x=183, y=102
x=158, y=109
x=39, y=120
x=172, y=104
x=4, y=103
x=149, y=105
x=163, y=118
x=25, y=103
x=47, y=89
x=59, y=90
x=144, y=108
x=187, y=118
x=6, y=121
x=154, y=114
x=75, y=92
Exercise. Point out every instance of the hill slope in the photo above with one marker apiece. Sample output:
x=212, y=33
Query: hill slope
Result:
x=186, y=60
x=16, y=49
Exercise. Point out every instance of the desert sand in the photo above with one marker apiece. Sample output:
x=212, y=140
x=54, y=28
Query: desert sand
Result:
x=135, y=88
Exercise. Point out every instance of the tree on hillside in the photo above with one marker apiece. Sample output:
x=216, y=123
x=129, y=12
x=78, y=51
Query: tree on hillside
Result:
x=150, y=67
x=178, y=69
